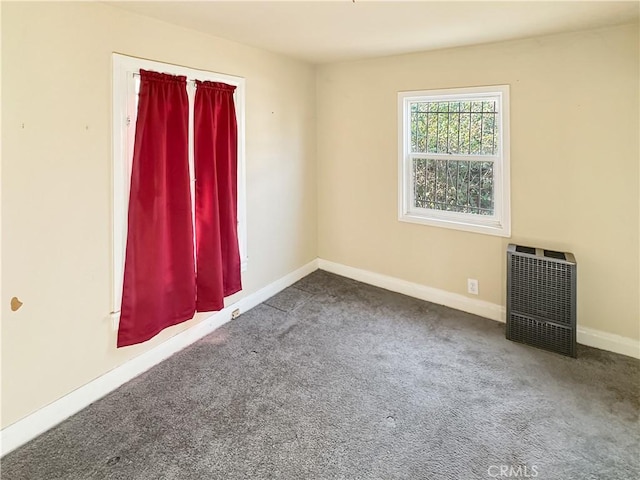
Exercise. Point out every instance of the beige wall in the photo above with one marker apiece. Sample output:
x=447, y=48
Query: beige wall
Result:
x=574, y=167
x=56, y=79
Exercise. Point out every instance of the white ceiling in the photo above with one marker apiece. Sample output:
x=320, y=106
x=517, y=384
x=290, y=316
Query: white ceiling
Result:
x=329, y=31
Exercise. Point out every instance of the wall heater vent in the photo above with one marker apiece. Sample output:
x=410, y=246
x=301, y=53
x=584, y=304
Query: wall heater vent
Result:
x=541, y=298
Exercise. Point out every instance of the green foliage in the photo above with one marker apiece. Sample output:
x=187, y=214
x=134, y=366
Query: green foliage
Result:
x=456, y=128
x=467, y=128
x=454, y=185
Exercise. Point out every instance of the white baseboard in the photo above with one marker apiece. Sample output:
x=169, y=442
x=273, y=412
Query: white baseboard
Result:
x=434, y=295
x=256, y=298
x=586, y=336
x=609, y=341
x=49, y=416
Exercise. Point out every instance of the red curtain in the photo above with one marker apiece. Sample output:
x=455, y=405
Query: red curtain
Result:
x=215, y=137
x=159, y=276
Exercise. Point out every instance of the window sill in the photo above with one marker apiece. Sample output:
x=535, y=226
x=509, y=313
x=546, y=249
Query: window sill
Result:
x=494, y=228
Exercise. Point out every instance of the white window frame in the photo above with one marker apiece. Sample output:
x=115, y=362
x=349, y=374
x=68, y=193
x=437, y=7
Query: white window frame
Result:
x=124, y=124
x=497, y=224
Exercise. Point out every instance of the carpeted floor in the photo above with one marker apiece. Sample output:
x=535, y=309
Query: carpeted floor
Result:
x=333, y=379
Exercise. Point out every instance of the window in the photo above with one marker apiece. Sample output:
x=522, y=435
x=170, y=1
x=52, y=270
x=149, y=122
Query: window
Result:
x=126, y=82
x=454, y=158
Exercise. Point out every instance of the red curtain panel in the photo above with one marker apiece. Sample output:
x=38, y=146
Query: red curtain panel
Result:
x=159, y=272
x=217, y=253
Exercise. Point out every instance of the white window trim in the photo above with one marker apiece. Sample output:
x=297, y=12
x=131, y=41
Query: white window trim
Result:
x=124, y=116
x=500, y=223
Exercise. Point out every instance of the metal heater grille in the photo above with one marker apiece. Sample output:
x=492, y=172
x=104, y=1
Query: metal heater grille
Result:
x=542, y=288
x=541, y=298
x=541, y=334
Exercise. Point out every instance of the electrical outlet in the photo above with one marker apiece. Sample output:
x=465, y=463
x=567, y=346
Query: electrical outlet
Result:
x=235, y=314
x=472, y=286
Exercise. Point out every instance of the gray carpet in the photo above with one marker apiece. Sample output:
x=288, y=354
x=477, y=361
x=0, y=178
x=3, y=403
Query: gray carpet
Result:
x=333, y=379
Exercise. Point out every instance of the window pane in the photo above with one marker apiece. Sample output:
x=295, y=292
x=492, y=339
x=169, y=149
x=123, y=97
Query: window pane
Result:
x=419, y=183
x=432, y=133
x=467, y=128
x=418, y=132
x=454, y=186
x=454, y=133
x=488, y=134
x=442, y=133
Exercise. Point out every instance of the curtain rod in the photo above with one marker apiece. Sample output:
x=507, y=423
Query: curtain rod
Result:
x=189, y=80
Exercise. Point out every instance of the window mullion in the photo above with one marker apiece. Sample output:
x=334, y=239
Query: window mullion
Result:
x=463, y=158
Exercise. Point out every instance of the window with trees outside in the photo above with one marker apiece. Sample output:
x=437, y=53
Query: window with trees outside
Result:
x=454, y=158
